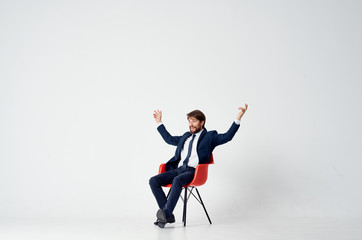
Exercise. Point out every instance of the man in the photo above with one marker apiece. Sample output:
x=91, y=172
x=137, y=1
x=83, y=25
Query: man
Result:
x=193, y=148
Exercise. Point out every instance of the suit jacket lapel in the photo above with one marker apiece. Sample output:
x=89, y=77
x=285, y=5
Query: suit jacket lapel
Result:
x=202, y=134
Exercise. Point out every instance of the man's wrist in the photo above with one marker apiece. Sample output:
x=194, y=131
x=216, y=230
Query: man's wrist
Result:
x=237, y=121
x=159, y=124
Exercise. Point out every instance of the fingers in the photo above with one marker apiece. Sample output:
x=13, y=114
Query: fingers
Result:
x=243, y=108
x=157, y=114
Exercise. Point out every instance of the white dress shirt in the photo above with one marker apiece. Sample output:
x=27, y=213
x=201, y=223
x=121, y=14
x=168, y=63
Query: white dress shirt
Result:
x=194, y=159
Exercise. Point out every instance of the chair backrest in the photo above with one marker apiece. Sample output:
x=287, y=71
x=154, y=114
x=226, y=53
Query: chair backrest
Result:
x=201, y=173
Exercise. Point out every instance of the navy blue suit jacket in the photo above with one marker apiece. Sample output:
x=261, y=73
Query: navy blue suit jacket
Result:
x=206, y=144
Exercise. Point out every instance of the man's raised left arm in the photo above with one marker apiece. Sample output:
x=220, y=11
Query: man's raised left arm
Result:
x=226, y=137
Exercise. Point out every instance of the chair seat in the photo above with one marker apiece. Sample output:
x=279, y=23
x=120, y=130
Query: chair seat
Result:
x=200, y=177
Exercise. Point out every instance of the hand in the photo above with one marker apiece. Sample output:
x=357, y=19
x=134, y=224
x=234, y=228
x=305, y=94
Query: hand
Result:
x=242, y=111
x=157, y=115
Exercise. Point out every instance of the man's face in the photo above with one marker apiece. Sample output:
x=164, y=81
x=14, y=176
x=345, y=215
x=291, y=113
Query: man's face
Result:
x=195, y=125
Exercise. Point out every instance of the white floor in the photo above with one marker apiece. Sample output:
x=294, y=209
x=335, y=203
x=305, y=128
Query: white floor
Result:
x=246, y=228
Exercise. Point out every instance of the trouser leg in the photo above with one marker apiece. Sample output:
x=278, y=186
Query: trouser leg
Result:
x=184, y=178
x=156, y=183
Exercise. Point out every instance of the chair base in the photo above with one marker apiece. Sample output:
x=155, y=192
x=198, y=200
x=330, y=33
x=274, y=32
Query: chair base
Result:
x=187, y=193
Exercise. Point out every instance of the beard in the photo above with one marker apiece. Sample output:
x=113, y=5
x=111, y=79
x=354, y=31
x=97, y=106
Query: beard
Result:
x=195, y=129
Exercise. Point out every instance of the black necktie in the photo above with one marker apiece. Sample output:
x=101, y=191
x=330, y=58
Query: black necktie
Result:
x=184, y=165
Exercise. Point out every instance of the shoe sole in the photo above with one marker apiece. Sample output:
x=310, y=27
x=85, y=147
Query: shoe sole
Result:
x=161, y=224
x=156, y=223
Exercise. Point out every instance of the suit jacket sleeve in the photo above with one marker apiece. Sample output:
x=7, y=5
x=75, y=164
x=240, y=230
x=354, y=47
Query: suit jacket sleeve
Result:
x=226, y=137
x=173, y=140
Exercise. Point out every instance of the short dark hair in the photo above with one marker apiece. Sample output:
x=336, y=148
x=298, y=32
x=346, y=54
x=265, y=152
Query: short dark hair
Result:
x=198, y=115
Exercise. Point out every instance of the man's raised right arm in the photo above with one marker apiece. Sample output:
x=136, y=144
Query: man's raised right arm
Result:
x=162, y=130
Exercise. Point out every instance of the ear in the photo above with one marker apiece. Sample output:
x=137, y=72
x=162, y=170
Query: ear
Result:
x=202, y=123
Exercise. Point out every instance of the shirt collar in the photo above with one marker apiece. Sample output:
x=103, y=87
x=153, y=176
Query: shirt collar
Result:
x=198, y=133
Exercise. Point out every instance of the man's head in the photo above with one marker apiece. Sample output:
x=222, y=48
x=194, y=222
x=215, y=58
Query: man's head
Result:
x=196, y=121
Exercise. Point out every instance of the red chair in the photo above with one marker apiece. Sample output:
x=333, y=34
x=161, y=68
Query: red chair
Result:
x=200, y=178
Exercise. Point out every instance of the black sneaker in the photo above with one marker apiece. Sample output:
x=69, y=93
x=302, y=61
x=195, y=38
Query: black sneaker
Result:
x=162, y=220
x=169, y=220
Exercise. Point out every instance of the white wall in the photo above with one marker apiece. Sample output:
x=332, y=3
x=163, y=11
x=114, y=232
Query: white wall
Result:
x=79, y=81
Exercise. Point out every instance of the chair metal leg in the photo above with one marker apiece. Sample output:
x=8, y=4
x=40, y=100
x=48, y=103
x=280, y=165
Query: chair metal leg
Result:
x=185, y=207
x=202, y=203
x=185, y=200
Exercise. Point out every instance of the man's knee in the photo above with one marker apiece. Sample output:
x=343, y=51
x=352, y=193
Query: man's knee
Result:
x=153, y=181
